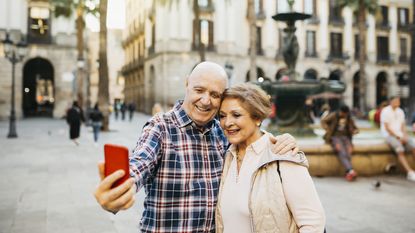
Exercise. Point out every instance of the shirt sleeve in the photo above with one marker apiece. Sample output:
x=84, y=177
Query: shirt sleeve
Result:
x=144, y=158
x=302, y=198
x=384, y=116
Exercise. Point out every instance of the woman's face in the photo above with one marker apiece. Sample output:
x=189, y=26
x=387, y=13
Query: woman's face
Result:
x=237, y=123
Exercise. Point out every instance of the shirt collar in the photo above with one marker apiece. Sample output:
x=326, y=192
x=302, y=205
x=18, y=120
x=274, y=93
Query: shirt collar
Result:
x=184, y=120
x=257, y=147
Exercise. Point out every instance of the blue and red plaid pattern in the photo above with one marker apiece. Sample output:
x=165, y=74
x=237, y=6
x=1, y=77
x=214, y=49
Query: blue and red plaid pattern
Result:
x=180, y=168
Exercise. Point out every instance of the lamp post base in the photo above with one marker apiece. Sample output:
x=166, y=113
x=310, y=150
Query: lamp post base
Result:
x=12, y=128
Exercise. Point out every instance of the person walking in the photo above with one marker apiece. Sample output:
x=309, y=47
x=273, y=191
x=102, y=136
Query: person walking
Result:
x=96, y=121
x=74, y=117
x=123, y=109
x=340, y=128
x=131, y=109
x=393, y=129
x=261, y=191
x=178, y=160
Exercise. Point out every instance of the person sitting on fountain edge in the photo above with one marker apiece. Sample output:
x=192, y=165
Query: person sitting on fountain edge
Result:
x=340, y=128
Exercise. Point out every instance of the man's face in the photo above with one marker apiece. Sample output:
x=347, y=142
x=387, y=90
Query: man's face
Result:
x=396, y=102
x=203, y=97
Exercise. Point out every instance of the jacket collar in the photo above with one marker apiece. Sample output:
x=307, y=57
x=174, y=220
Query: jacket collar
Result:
x=263, y=147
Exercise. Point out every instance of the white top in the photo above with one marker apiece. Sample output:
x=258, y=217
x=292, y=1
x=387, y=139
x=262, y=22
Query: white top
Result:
x=236, y=188
x=394, y=118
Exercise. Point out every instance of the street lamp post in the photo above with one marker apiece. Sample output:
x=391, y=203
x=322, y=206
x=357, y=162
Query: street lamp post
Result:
x=15, y=53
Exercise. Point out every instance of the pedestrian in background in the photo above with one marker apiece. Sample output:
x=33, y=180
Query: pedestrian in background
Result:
x=393, y=128
x=261, y=191
x=131, y=109
x=117, y=107
x=74, y=117
x=96, y=121
x=340, y=129
x=123, y=110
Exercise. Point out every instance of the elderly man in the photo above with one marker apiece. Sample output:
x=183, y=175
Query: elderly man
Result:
x=178, y=160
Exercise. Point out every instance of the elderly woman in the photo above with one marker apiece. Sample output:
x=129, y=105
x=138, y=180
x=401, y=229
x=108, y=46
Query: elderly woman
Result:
x=261, y=191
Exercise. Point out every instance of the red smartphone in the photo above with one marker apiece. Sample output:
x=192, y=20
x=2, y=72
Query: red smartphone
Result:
x=116, y=158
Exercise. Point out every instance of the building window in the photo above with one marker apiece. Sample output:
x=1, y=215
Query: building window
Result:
x=404, y=50
x=259, y=50
x=152, y=47
x=257, y=4
x=383, y=48
x=336, y=45
x=39, y=25
x=356, y=46
x=310, y=7
x=382, y=17
x=311, y=44
x=203, y=3
x=282, y=6
x=205, y=34
x=403, y=17
x=335, y=13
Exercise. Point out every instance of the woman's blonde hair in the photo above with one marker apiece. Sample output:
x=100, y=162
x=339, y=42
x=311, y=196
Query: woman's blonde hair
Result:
x=255, y=100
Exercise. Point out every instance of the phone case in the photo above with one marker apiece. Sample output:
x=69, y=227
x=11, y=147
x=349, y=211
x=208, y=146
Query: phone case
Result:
x=116, y=158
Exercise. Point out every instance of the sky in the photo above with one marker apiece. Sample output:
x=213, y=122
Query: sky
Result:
x=115, y=16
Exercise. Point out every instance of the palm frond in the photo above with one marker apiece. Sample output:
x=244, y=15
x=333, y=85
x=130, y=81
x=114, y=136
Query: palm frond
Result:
x=371, y=6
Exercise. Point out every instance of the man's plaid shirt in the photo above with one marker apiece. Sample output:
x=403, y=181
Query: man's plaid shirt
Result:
x=180, y=168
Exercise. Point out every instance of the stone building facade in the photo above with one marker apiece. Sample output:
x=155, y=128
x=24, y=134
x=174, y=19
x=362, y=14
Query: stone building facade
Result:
x=161, y=48
x=44, y=80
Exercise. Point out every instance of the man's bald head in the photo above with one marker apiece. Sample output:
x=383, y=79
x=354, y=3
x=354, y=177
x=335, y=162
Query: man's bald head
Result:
x=208, y=69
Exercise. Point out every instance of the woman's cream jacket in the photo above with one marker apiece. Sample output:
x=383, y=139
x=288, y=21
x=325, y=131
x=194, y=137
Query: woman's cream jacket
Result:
x=273, y=209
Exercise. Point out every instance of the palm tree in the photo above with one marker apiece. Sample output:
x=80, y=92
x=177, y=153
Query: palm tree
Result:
x=103, y=81
x=252, y=40
x=361, y=7
x=412, y=69
x=65, y=8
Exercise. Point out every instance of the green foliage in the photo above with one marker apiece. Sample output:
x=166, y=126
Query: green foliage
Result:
x=66, y=8
x=370, y=5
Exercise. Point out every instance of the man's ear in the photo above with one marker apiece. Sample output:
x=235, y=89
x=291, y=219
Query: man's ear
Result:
x=186, y=81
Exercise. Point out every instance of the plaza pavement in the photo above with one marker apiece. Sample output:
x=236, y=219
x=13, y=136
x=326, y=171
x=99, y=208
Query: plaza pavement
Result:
x=46, y=185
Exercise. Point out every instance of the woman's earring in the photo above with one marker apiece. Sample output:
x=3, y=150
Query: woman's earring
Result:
x=258, y=124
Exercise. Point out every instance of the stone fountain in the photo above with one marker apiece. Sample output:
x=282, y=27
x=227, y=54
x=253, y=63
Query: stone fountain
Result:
x=289, y=95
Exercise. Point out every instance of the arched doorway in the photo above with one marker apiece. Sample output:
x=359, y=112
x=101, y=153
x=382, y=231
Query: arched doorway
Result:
x=38, y=88
x=335, y=75
x=381, y=87
x=310, y=74
x=259, y=73
x=356, y=90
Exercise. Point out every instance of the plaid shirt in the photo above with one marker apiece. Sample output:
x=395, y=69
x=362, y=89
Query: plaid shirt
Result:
x=180, y=168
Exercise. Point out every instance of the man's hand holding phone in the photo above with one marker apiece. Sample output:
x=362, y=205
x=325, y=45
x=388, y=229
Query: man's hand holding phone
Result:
x=110, y=193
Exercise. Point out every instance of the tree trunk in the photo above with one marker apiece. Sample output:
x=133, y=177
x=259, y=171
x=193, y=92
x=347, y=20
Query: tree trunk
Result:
x=411, y=101
x=80, y=25
x=103, y=92
x=252, y=40
x=362, y=56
